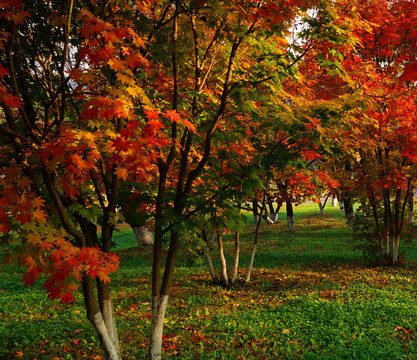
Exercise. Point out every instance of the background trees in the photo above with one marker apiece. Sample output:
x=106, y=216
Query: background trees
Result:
x=375, y=129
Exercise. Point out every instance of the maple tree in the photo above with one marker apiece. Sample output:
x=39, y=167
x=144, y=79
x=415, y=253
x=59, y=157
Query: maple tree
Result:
x=387, y=170
x=368, y=122
x=73, y=127
x=222, y=57
x=272, y=138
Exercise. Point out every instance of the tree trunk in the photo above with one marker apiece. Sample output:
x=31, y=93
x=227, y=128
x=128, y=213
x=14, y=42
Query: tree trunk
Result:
x=256, y=220
x=209, y=241
x=395, y=242
x=274, y=216
x=271, y=210
x=106, y=308
x=290, y=216
x=255, y=243
x=341, y=203
x=321, y=209
x=236, y=258
x=250, y=266
x=410, y=202
x=334, y=201
x=211, y=267
x=143, y=236
x=110, y=349
x=159, y=306
x=103, y=319
x=387, y=244
x=223, y=263
x=256, y=217
x=349, y=212
x=160, y=294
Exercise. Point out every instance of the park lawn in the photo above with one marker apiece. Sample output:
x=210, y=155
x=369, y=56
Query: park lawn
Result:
x=310, y=297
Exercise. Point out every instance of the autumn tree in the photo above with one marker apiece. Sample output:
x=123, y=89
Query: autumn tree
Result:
x=274, y=133
x=72, y=128
x=368, y=121
x=210, y=61
x=386, y=165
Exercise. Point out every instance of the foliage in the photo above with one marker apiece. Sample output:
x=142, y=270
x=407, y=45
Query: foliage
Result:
x=172, y=114
x=361, y=115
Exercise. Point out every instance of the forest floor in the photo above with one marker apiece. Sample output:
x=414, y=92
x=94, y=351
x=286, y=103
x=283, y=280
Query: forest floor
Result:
x=311, y=296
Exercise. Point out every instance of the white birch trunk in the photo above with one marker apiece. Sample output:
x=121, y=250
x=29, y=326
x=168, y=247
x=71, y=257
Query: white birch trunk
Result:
x=159, y=306
x=252, y=258
x=395, y=242
x=223, y=263
x=143, y=236
x=274, y=217
x=334, y=201
x=269, y=220
x=110, y=350
x=211, y=267
x=110, y=321
x=236, y=259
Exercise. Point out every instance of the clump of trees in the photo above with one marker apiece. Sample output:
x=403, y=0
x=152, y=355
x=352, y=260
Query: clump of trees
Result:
x=175, y=114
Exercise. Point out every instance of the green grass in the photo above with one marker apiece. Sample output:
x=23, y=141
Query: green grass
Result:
x=310, y=297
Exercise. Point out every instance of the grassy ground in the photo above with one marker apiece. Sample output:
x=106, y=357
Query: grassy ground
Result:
x=310, y=297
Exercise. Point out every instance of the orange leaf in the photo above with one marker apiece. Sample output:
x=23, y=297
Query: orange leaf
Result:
x=121, y=173
x=38, y=202
x=24, y=182
x=39, y=215
x=172, y=115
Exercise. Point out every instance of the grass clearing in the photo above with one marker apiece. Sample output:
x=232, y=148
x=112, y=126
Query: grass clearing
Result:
x=310, y=297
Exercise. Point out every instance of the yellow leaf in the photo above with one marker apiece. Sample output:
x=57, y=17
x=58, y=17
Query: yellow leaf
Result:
x=134, y=91
x=116, y=64
x=33, y=238
x=125, y=79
